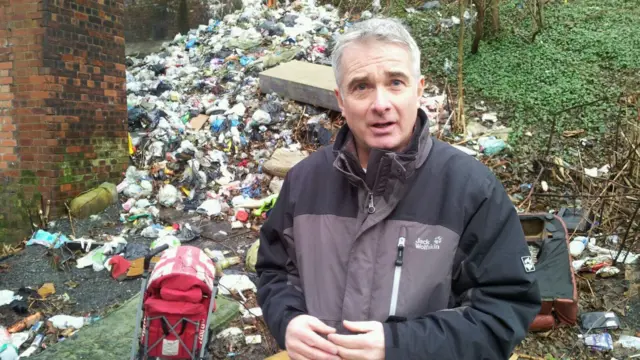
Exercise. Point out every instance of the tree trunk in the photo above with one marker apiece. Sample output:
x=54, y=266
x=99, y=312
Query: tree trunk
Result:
x=183, y=17
x=495, y=16
x=479, y=25
x=459, y=124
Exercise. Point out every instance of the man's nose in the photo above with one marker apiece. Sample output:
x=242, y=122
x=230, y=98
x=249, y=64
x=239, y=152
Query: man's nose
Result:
x=381, y=103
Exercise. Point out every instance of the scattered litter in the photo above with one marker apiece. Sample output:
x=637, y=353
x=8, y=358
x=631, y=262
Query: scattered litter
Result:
x=8, y=351
x=230, y=332
x=253, y=339
x=94, y=201
x=6, y=297
x=236, y=283
x=210, y=207
x=545, y=186
x=599, y=342
x=252, y=256
x=65, y=321
x=47, y=239
x=25, y=323
x=170, y=240
x=490, y=145
x=599, y=321
x=490, y=117
x=608, y=271
x=46, y=290
x=629, y=342
x=578, y=244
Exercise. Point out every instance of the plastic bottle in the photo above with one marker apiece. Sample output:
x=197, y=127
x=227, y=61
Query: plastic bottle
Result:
x=577, y=246
x=7, y=350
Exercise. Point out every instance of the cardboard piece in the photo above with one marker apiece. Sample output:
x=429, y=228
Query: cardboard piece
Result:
x=198, y=122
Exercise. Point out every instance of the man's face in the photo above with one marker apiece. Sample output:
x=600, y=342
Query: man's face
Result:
x=380, y=94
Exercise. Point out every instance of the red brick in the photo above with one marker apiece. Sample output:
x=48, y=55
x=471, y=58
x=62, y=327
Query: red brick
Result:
x=6, y=65
x=6, y=80
x=10, y=157
x=41, y=95
x=8, y=142
x=65, y=187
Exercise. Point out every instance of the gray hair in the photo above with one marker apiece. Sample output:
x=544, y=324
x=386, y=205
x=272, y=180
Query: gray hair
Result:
x=380, y=29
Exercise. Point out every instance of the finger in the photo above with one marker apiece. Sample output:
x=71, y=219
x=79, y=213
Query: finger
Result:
x=349, y=341
x=312, y=339
x=360, y=326
x=352, y=354
x=310, y=352
x=319, y=326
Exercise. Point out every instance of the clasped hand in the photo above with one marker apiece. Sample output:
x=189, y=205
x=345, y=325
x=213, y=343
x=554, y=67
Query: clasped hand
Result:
x=303, y=340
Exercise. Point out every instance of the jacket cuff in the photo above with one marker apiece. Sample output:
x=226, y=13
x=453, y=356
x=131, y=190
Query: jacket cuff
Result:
x=286, y=319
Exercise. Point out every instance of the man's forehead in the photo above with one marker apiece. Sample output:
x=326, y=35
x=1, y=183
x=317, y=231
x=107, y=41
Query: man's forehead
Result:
x=364, y=74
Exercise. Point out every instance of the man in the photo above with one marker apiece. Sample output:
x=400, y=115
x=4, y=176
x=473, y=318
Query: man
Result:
x=392, y=244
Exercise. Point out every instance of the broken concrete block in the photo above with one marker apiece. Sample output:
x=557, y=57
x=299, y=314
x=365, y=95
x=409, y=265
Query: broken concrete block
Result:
x=302, y=81
x=282, y=161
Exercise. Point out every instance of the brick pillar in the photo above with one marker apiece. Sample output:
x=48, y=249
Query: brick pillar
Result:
x=62, y=104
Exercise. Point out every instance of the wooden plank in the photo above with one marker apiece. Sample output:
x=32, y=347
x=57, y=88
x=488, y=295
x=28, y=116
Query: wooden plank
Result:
x=301, y=81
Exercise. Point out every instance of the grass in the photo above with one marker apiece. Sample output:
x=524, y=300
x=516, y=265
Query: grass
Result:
x=588, y=50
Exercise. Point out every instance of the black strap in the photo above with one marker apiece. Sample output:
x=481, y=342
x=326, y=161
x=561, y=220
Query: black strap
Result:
x=165, y=328
x=393, y=326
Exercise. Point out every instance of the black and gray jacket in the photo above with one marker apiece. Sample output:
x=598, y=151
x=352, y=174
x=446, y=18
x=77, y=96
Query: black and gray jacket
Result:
x=426, y=241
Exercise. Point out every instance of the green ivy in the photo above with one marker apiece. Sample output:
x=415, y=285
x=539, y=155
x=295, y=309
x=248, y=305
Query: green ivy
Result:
x=588, y=50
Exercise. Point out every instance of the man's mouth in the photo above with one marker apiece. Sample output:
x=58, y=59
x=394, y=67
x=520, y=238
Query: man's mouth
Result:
x=383, y=125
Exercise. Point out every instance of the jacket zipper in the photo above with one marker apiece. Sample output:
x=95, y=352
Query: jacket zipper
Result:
x=371, y=208
x=398, y=272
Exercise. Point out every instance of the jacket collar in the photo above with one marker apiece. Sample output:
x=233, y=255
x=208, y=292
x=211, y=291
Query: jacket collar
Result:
x=383, y=163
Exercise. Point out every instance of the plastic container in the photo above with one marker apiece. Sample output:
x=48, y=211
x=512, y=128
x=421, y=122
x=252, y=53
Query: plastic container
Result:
x=7, y=350
x=577, y=246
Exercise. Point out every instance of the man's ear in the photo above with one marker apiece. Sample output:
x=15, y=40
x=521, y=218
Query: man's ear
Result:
x=421, y=86
x=336, y=91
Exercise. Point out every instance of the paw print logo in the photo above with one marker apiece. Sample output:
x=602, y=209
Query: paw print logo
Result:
x=437, y=240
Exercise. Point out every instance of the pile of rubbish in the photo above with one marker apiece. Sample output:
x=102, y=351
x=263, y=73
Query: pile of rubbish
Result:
x=204, y=139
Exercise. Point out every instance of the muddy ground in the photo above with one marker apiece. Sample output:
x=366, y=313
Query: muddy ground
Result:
x=84, y=291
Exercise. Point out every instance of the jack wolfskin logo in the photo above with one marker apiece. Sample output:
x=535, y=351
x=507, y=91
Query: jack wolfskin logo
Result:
x=427, y=244
x=528, y=264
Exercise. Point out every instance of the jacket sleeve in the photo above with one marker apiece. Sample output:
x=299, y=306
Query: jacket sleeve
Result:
x=497, y=299
x=279, y=293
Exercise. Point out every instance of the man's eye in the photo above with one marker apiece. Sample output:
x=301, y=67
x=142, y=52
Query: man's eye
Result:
x=396, y=82
x=361, y=87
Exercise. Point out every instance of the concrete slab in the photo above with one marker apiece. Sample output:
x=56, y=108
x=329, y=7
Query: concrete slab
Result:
x=112, y=337
x=302, y=81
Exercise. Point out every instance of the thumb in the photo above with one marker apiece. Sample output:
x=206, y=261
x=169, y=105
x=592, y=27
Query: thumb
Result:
x=360, y=326
x=316, y=325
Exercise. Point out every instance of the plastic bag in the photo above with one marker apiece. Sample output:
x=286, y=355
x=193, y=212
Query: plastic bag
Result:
x=168, y=195
x=170, y=240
